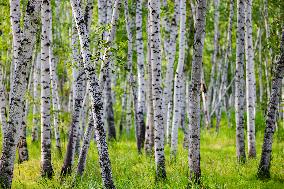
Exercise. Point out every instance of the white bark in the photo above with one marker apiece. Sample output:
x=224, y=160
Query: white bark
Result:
x=178, y=80
x=265, y=161
x=85, y=146
x=214, y=56
x=156, y=57
x=149, y=138
x=79, y=88
x=95, y=93
x=171, y=52
x=55, y=96
x=22, y=57
x=250, y=81
x=36, y=78
x=240, y=81
x=3, y=104
x=194, y=93
x=140, y=72
x=46, y=166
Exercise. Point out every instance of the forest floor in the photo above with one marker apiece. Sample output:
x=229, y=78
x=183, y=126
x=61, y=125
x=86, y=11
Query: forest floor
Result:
x=130, y=170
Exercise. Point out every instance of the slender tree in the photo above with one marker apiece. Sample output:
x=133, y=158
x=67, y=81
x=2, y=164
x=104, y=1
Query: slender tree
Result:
x=36, y=78
x=95, y=93
x=55, y=94
x=240, y=81
x=211, y=90
x=155, y=46
x=140, y=72
x=250, y=81
x=264, y=165
x=178, y=80
x=22, y=56
x=172, y=25
x=194, y=93
x=46, y=166
x=149, y=138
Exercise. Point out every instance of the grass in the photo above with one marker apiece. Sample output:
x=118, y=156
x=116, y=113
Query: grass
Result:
x=130, y=170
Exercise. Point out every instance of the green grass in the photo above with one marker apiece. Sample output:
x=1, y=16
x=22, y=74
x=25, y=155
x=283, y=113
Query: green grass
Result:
x=130, y=170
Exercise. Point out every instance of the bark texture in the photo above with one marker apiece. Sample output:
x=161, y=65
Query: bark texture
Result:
x=179, y=80
x=156, y=57
x=46, y=165
x=194, y=93
x=22, y=56
x=264, y=165
x=240, y=82
x=96, y=95
x=250, y=81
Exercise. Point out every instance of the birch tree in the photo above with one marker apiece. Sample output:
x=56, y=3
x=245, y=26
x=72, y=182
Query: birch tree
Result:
x=178, y=80
x=46, y=166
x=194, y=93
x=214, y=55
x=239, y=82
x=155, y=46
x=78, y=92
x=36, y=78
x=140, y=72
x=170, y=54
x=149, y=138
x=95, y=93
x=265, y=161
x=22, y=56
x=55, y=96
x=250, y=81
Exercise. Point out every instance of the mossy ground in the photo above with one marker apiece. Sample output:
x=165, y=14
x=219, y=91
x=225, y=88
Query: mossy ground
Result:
x=131, y=170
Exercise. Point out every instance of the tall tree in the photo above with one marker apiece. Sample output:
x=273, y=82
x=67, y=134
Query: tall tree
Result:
x=155, y=46
x=211, y=90
x=250, y=81
x=179, y=80
x=46, y=166
x=22, y=56
x=149, y=138
x=264, y=165
x=170, y=50
x=36, y=78
x=194, y=93
x=140, y=72
x=55, y=94
x=240, y=81
x=95, y=93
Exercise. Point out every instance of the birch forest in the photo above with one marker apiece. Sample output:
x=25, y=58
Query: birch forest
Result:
x=141, y=94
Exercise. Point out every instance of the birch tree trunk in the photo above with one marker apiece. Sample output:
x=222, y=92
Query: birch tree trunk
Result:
x=55, y=96
x=149, y=140
x=140, y=72
x=214, y=56
x=228, y=54
x=194, y=93
x=239, y=82
x=178, y=80
x=22, y=57
x=36, y=78
x=155, y=46
x=171, y=52
x=264, y=165
x=3, y=104
x=250, y=81
x=46, y=166
x=268, y=51
x=85, y=146
x=260, y=68
x=96, y=95
x=78, y=93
